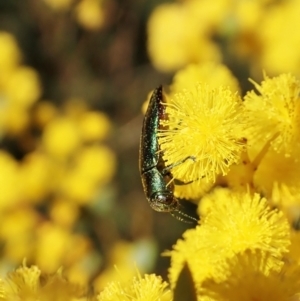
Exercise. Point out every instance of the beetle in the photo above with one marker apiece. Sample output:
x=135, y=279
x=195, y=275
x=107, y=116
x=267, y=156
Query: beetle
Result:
x=155, y=175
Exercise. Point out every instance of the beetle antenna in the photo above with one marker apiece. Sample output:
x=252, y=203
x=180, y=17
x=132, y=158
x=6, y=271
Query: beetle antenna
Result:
x=183, y=217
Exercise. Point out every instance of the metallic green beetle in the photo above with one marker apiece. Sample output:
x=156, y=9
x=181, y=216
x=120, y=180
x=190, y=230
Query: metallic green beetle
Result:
x=155, y=175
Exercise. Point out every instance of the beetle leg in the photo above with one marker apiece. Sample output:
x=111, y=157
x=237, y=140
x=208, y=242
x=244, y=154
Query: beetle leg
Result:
x=179, y=183
x=167, y=169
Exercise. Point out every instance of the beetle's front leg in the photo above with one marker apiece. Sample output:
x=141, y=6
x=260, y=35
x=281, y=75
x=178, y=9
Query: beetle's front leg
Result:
x=167, y=169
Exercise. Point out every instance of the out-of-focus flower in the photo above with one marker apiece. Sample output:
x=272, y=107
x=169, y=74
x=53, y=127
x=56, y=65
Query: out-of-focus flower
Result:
x=37, y=177
x=80, y=271
x=19, y=88
x=287, y=199
x=94, y=167
x=90, y=14
x=248, y=14
x=123, y=261
x=294, y=254
x=10, y=193
x=258, y=33
x=28, y=283
x=22, y=87
x=241, y=175
x=40, y=200
x=43, y=113
x=64, y=212
x=52, y=243
x=247, y=276
x=209, y=14
x=59, y=5
x=140, y=288
x=10, y=54
x=233, y=224
x=212, y=74
x=96, y=162
x=204, y=124
x=56, y=246
x=13, y=119
x=94, y=126
x=175, y=38
x=239, y=28
x=279, y=51
x=61, y=137
x=277, y=168
x=17, y=233
x=274, y=114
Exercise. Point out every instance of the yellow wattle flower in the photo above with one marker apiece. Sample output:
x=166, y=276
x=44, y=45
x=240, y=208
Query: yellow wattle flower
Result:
x=206, y=125
x=244, y=222
x=10, y=193
x=247, y=276
x=175, y=38
x=28, y=283
x=10, y=54
x=274, y=113
x=90, y=14
x=277, y=168
x=232, y=224
x=192, y=191
x=94, y=126
x=61, y=138
x=59, y=5
x=22, y=87
x=141, y=288
x=213, y=74
x=278, y=39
